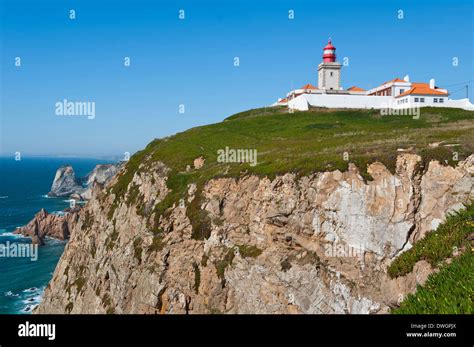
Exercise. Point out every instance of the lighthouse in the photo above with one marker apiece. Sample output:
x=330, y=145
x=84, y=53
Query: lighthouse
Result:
x=329, y=71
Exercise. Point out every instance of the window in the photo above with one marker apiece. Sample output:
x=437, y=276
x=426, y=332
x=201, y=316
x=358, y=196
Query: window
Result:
x=422, y=99
x=401, y=91
x=441, y=100
x=435, y=100
x=331, y=73
x=416, y=99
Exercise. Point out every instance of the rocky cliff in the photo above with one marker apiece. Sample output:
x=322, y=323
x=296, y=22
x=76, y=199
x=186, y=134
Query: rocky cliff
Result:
x=66, y=184
x=317, y=243
x=49, y=225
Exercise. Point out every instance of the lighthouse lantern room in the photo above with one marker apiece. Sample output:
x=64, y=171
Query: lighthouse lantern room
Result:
x=329, y=71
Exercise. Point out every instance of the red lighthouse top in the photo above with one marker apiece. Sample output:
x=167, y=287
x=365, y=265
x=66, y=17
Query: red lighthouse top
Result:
x=329, y=53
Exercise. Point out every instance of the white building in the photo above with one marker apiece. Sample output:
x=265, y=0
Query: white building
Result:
x=396, y=93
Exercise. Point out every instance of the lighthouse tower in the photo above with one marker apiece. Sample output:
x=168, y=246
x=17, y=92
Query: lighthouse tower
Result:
x=329, y=71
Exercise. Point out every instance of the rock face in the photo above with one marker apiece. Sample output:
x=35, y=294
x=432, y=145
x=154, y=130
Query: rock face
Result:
x=313, y=244
x=102, y=173
x=51, y=225
x=65, y=182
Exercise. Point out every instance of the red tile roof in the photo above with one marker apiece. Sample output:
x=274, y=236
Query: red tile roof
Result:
x=356, y=89
x=394, y=80
x=421, y=89
x=308, y=86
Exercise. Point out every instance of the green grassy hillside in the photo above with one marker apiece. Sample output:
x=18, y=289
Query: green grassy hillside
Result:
x=301, y=142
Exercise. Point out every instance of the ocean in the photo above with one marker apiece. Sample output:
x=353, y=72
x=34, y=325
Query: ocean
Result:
x=23, y=188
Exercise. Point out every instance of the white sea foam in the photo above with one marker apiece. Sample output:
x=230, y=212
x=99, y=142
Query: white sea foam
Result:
x=10, y=293
x=29, y=308
x=31, y=290
x=10, y=234
x=33, y=298
x=51, y=240
x=29, y=300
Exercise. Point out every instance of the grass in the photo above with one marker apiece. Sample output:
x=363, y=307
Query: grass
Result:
x=437, y=245
x=157, y=244
x=197, y=277
x=450, y=291
x=301, y=142
x=222, y=264
x=137, y=249
x=249, y=251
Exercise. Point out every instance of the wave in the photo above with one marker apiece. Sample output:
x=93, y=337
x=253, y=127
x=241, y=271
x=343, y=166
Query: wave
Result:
x=29, y=308
x=30, y=300
x=35, y=294
x=69, y=200
x=10, y=293
x=52, y=241
x=10, y=234
x=31, y=290
x=3, y=197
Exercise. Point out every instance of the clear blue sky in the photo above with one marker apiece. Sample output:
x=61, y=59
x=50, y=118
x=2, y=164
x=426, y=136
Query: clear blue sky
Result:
x=190, y=61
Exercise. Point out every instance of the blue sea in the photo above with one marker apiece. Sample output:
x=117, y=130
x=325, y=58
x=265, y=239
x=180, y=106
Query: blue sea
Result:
x=23, y=188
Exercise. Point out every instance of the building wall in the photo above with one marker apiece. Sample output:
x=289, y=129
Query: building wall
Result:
x=303, y=102
x=329, y=76
x=461, y=103
x=394, y=88
x=339, y=101
x=428, y=100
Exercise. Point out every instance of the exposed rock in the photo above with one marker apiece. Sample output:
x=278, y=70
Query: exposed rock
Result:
x=102, y=173
x=198, y=163
x=65, y=182
x=49, y=225
x=395, y=290
x=275, y=245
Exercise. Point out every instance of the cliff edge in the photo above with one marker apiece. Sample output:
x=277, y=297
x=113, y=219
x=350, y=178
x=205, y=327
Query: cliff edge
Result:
x=284, y=236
